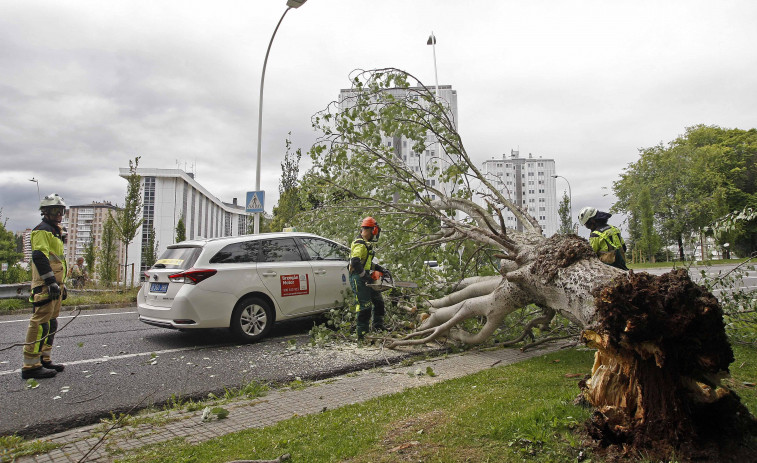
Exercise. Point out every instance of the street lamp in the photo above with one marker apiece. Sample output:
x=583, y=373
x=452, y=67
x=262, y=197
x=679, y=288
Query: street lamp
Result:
x=432, y=41
x=290, y=4
x=37, y=182
x=570, y=196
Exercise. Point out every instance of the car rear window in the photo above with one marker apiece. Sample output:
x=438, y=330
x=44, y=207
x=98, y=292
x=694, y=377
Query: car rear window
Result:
x=177, y=258
x=246, y=251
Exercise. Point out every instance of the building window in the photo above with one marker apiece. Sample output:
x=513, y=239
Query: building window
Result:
x=199, y=216
x=148, y=216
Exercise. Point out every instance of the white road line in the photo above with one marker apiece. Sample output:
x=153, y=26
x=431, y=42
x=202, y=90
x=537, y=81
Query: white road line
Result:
x=26, y=320
x=121, y=357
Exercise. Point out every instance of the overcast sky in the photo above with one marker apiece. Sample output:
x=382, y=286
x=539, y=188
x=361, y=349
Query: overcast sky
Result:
x=85, y=86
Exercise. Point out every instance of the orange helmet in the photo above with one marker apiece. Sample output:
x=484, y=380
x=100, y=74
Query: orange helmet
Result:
x=370, y=222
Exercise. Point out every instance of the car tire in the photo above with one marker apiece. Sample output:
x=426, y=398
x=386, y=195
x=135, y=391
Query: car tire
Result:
x=252, y=319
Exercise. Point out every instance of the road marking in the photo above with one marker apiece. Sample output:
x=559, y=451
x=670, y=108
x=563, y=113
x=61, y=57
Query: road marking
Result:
x=26, y=320
x=124, y=356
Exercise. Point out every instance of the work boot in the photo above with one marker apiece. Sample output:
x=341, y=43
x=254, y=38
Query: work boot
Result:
x=37, y=373
x=58, y=367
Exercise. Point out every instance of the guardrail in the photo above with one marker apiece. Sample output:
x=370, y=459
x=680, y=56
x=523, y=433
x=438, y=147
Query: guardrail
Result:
x=15, y=291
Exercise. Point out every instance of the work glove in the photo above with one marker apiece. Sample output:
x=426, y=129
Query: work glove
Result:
x=65, y=294
x=54, y=290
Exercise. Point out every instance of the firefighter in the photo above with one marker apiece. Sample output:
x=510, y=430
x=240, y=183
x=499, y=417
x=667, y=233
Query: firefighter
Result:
x=604, y=239
x=77, y=274
x=48, y=289
x=364, y=271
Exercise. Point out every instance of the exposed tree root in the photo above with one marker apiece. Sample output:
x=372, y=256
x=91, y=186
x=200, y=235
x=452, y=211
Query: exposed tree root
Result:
x=656, y=380
x=528, y=331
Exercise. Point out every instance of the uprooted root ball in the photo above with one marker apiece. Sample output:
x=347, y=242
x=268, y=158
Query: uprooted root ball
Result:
x=656, y=381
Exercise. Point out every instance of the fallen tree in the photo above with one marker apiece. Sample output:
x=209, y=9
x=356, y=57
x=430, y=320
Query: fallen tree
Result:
x=662, y=352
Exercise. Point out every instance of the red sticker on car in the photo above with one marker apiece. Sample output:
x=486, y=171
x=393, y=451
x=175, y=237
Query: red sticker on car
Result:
x=295, y=285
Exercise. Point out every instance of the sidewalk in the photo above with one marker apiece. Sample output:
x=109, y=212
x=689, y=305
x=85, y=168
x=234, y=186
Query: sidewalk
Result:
x=276, y=406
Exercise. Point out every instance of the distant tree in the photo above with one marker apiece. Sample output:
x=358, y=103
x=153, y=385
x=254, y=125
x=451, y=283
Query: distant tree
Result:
x=649, y=241
x=107, y=255
x=181, y=230
x=694, y=180
x=566, y=221
x=129, y=218
x=150, y=250
x=8, y=252
x=290, y=203
x=9, y=255
x=20, y=242
x=90, y=256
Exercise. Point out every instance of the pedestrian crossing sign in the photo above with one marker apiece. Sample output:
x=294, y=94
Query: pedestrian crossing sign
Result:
x=255, y=201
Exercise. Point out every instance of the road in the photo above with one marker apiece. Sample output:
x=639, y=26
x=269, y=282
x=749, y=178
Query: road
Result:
x=748, y=282
x=115, y=363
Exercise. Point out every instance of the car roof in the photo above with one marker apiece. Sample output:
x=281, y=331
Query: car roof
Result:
x=199, y=243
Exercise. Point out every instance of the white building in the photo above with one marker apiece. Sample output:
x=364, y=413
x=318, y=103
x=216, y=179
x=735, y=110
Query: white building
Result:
x=168, y=195
x=529, y=183
x=432, y=157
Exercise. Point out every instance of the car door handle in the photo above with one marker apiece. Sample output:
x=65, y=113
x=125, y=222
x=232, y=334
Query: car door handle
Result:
x=319, y=272
x=269, y=274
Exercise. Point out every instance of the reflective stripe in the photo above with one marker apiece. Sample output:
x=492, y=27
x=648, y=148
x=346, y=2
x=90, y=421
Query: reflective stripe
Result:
x=601, y=241
x=47, y=275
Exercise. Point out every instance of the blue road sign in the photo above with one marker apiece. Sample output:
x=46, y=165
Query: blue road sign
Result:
x=255, y=201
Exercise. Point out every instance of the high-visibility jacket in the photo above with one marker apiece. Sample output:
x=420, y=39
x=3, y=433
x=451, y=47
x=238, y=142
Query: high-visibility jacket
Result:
x=362, y=250
x=48, y=264
x=606, y=238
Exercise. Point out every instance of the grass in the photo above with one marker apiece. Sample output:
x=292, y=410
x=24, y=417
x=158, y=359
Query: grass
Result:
x=13, y=447
x=100, y=297
x=679, y=264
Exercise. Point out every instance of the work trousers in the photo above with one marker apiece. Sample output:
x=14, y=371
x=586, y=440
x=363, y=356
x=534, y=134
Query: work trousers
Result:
x=42, y=327
x=369, y=302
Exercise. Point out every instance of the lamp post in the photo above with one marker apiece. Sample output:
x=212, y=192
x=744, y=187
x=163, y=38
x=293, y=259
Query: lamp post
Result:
x=432, y=41
x=37, y=182
x=290, y=4
x=570, y=196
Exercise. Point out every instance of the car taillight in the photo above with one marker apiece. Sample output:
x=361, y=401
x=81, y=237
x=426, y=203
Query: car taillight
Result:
x=192, y=276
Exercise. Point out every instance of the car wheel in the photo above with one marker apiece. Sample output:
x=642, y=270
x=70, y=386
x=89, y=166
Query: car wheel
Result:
x=252, y=319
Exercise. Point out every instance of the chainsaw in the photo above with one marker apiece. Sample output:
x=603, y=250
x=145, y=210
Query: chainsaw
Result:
x=383, y=282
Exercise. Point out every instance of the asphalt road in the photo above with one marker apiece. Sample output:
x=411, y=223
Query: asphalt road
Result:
x=114, y=363
x=748, y=282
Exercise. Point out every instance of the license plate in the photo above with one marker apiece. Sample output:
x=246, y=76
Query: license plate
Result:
x=158, y=287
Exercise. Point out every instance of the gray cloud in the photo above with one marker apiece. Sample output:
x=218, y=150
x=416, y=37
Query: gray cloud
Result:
x=86, y=86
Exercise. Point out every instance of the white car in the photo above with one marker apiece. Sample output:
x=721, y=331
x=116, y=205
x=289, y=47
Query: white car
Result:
x=244, y=283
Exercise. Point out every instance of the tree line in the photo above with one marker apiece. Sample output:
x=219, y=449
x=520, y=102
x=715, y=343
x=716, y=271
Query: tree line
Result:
x=703, y=183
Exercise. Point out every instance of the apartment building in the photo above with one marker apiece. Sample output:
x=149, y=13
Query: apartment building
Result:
x=84, y=223
x=528, y=182
x=168, y=195
x=432, y=158
x=26, y=238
